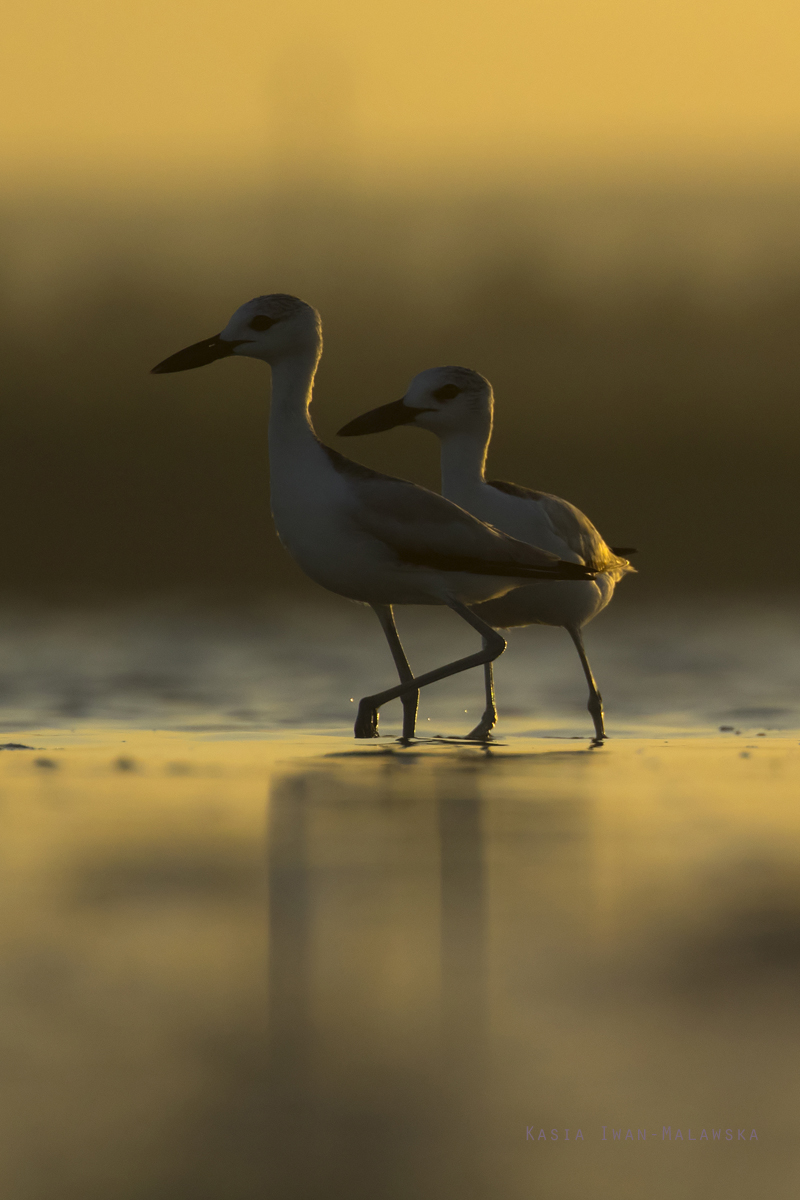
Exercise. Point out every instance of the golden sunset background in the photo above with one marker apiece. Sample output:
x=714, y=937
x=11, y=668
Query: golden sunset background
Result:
x=595, y=204
x=243, y=954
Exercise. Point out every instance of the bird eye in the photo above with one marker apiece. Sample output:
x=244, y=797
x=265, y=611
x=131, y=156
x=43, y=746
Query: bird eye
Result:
x=447, y=392
x=262, y=323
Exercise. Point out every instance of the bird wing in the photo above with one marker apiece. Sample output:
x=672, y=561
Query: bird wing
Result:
x=424, y=529
x=571, y=526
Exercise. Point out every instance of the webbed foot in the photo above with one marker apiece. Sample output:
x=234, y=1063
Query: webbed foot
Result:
x=366, y=725
x=483, y=730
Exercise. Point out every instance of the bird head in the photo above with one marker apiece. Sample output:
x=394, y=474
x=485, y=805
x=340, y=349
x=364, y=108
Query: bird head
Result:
x=270, y=328
x=443, y=400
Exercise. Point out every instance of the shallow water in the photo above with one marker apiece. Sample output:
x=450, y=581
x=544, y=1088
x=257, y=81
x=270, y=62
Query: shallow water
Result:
x=245, y=957
x=675, y=667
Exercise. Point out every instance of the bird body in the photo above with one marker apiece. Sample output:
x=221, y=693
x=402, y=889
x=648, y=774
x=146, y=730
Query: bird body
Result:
x=555, y=525
x=372, y=538
x=380, y=540
x=456, y=404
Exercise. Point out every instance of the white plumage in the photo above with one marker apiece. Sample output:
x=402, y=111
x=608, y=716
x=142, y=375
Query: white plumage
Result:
x=456, y=404
x=372, y=538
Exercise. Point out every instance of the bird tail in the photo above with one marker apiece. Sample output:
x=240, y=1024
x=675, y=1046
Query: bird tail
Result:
x=615, y=564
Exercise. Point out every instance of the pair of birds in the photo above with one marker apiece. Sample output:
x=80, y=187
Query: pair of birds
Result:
x=496, y=554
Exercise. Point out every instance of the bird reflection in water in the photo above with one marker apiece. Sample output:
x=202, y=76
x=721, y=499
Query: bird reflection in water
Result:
x=377, y=983
x=462, y=943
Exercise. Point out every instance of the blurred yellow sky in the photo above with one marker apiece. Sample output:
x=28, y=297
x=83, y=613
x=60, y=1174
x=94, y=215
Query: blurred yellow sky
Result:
x=159, y=92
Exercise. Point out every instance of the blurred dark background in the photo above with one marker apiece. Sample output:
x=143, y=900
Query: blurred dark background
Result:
x=643, y=346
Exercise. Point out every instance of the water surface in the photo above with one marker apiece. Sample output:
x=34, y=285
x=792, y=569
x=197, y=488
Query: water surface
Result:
x=246, y=956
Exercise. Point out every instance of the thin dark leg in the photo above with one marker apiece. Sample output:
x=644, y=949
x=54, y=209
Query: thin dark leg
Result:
x=410, y=700
x=493, y=647
x=483, y=729
x=595, y=705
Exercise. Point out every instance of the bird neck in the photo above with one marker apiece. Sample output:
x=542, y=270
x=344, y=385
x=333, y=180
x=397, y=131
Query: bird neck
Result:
x=292, y=386
x=463, y=457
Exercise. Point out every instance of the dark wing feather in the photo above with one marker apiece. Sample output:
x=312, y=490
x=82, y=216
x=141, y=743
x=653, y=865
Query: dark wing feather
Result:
x=482, y=566
x=423, y=529
x=514, y=489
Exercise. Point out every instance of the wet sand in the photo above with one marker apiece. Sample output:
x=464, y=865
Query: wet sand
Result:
x=241, y=964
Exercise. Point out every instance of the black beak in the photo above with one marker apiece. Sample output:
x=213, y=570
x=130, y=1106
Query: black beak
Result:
x=385, y=417
x=198, y=355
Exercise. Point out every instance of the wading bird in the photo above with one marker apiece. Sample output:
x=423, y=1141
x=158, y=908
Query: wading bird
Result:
x=377, y=540
x=456, y=404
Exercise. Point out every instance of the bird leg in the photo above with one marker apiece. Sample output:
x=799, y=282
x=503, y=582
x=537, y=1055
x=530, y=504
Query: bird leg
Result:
x=483, y=729
x=410, y=700
x=493, y=646
x=595, y=705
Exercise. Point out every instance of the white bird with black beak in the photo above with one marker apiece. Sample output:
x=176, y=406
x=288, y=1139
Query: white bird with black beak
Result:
x=377, y=540
x=456, y=404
